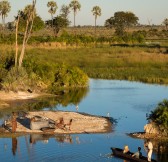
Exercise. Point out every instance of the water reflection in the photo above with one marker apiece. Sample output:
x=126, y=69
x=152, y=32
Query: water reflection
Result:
x=64, y=98
x=14, y=145
x=127, y=101
x=60, y=138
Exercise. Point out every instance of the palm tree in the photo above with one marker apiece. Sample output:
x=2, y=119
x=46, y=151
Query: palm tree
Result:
x=75, y=5
x=29, y=13
x=4, y=10
x=53, y=7
x=96, y=12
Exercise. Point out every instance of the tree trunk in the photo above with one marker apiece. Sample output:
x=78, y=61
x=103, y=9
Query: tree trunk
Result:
x=27, y=33
x=95, y=26
x=23, y=44
x=22, y=55
x=16, y=54
x=74, y=19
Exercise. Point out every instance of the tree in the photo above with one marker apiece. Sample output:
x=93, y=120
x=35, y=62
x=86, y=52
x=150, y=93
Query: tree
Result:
x=109, y=23
x=75, y=6
x=53, y=7
x=58, y=23
x=29, y=14
x=17, y=19
x=64, y=12
x=4, y=10
x=37, y=25
x=165, y=22
x=121, y=21
x=160, y=115
x=96, y=12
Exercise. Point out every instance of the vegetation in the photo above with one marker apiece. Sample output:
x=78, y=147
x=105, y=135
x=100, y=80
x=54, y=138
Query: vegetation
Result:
x=96, y=12
x=160, y=116
x=53, y=7
x=165, y=22
x=121, y=21
x=75, y=6
x=4, y=10
x=123, y=63
x=39, y=76
x=105, y=61
x=58, y=23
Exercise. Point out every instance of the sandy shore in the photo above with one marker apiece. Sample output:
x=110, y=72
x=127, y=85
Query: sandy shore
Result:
x=7, y=97
x=81, y=123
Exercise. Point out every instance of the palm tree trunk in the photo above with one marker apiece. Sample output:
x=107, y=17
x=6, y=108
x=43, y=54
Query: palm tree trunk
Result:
x=95, y=26
x=27, y=33
x=23, y=44
x=16, y=54
x=74, y=19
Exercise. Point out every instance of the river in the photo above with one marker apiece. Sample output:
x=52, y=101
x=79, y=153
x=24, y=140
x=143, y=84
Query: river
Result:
x=126, y=102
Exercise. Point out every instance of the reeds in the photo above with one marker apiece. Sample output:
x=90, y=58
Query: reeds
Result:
x=123, y=63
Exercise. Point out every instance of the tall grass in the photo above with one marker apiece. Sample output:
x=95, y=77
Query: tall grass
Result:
x=111, y=62
x=123, y=63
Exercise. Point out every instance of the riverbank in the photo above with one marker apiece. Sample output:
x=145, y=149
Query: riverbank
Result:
x=81, y=123
x=6, y=98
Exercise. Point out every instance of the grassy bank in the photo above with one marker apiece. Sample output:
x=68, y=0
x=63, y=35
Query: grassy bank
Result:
x=123, y=63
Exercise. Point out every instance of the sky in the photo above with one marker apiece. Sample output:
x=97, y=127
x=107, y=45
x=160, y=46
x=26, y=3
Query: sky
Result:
x=148, y=11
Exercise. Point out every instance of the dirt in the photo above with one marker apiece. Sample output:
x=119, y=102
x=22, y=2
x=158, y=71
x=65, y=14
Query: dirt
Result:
x=81, y=123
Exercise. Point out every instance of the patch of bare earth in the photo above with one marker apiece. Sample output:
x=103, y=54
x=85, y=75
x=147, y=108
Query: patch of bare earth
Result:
x=81, y=123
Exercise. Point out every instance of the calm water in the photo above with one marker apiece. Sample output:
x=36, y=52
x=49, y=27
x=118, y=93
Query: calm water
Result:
x=127, y=102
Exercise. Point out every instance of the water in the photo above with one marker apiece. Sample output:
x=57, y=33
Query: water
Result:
x=127, y=102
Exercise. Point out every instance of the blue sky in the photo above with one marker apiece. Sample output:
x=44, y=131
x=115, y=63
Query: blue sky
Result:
x=153, y=11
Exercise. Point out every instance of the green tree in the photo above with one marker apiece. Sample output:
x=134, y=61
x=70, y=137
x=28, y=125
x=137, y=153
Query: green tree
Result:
x=160, y=115
x=121, y=21
x=37, y=25
x=64, y=12
x=4, y=10
x=53, y=7
x=58, y=23
x=75, y=6
x=109, y=23
x=96, y=12
x=165, y=22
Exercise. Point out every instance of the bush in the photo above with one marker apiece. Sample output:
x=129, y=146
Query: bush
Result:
x=15, y=80
x=69, y=77
x=160, y=115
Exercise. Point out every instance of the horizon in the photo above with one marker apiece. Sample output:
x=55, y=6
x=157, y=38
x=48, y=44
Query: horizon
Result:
x=85, y=17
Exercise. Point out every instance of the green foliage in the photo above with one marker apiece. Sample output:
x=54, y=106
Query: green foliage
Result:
x=44, y=71
x=121, y=21
x=64, y=12
x=70, y=77
x=57, y=75
x=38, y=24
x=160, y=115
x=16, y=79
x=7, y=39
x=3, y=73
x=7, y=61
x=58, y=23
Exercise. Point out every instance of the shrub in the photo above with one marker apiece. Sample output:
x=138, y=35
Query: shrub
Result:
x=160, y=115
x=15, y=80
x=69, y=77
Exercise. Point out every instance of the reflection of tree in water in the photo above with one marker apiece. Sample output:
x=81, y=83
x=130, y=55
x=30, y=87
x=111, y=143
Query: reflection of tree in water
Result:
x=64, y=138
x=71, y=96
x=14, y=145
x=162, y=148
